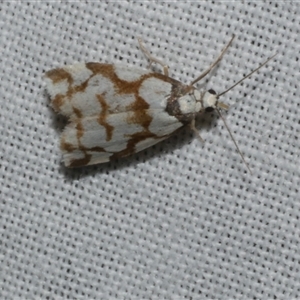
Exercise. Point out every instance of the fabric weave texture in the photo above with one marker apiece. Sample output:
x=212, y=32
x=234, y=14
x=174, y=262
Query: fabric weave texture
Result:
x=182, y=219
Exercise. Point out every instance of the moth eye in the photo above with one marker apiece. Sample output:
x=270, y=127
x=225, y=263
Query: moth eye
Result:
x=212, y=92
x=209, y=109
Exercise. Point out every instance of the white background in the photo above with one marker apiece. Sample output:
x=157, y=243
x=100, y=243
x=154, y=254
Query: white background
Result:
x=181, y=220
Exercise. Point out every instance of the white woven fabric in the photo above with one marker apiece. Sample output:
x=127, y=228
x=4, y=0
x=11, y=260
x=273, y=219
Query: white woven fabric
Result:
x=181, y=220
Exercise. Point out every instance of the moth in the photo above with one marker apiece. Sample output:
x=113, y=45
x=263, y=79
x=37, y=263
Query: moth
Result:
x=115, y=110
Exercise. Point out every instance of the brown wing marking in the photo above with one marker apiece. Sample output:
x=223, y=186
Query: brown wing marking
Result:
x=134, y=139
x=102, y=117
x=59, y=74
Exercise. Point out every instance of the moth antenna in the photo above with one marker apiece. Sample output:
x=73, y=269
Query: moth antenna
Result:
x=235, y=143
x=221, y=105
x=247, y=76
x=214, y=63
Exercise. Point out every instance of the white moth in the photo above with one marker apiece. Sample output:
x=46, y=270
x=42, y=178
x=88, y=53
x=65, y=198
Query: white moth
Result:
x=116, y=110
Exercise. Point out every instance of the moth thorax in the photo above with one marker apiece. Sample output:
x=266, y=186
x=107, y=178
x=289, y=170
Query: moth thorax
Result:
x=188, y=104
x=210, y=100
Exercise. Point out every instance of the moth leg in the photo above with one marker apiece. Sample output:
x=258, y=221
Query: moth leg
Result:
x=193, y=127
x=153, y=59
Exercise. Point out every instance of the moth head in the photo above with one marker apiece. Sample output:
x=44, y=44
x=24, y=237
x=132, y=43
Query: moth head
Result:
x=211, y=101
